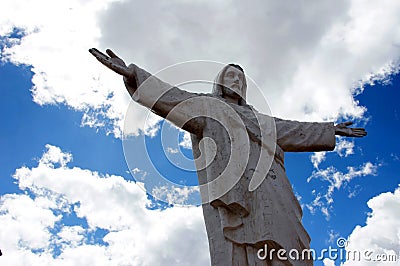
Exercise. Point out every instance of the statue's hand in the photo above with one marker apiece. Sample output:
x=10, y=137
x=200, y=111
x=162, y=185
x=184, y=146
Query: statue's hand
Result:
x=342, y=129
x=112, y=61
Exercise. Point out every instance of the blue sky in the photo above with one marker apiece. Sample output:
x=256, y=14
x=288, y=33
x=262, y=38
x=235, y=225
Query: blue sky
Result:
x=67, y=194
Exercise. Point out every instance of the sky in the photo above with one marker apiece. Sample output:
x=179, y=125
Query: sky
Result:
x=74, y=192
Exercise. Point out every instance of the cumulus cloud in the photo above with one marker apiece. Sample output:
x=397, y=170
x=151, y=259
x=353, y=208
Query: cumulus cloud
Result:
x=54, y=155
x=36, y=233
x=309, y=58
x=55, y=43
x=300, y=65
x=380, y=236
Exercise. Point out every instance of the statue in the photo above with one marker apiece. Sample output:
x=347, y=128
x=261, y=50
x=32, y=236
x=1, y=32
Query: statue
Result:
x=239, y=221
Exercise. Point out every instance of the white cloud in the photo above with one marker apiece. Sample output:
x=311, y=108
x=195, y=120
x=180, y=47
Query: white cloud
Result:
x=317, y=158
x=395, y=157
x=186, y=141
x=381, y=232
x=71, y=235
x=136, y=170
x=318, y=204
x=354, y=191
x=298, y=197
x=56, y=42
x=333, y=236
x=173, y=194
x=336, y=180
x=172, y=151
x=301, y=65
x=19, y=211
x=315, y=203
x=328, y=262
x=344, y=147
x=136, y=235
x=139, y=174
x=54, y=155
x=309, y=59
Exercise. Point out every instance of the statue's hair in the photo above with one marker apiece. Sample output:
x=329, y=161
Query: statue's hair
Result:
x=217, y=87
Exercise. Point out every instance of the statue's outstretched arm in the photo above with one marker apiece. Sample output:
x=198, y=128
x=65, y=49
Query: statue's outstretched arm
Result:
x=297, y=136
x=156, y=95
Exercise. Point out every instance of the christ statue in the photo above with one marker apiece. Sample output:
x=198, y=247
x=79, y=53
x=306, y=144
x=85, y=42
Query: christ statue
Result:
x=258, y=208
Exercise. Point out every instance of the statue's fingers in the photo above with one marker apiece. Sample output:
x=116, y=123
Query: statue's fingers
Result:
x=360, y=133
x=358, y=129
x=104, y=60
x=124, y=71
x=111, y=61
x=97, y=53
x=348, y=123
x=111, y=53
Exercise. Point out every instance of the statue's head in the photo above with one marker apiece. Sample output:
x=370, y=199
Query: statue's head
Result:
x=231, y=82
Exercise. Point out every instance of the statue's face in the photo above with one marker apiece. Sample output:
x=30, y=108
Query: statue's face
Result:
x=233, y=82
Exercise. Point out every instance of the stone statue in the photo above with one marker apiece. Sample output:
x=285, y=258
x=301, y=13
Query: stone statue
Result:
x=239, y=221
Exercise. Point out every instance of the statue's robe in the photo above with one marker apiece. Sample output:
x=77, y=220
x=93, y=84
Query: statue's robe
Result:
x=239, y=222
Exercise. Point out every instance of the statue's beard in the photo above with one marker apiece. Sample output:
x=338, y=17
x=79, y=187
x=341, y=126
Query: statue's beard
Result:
x=231, y=93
